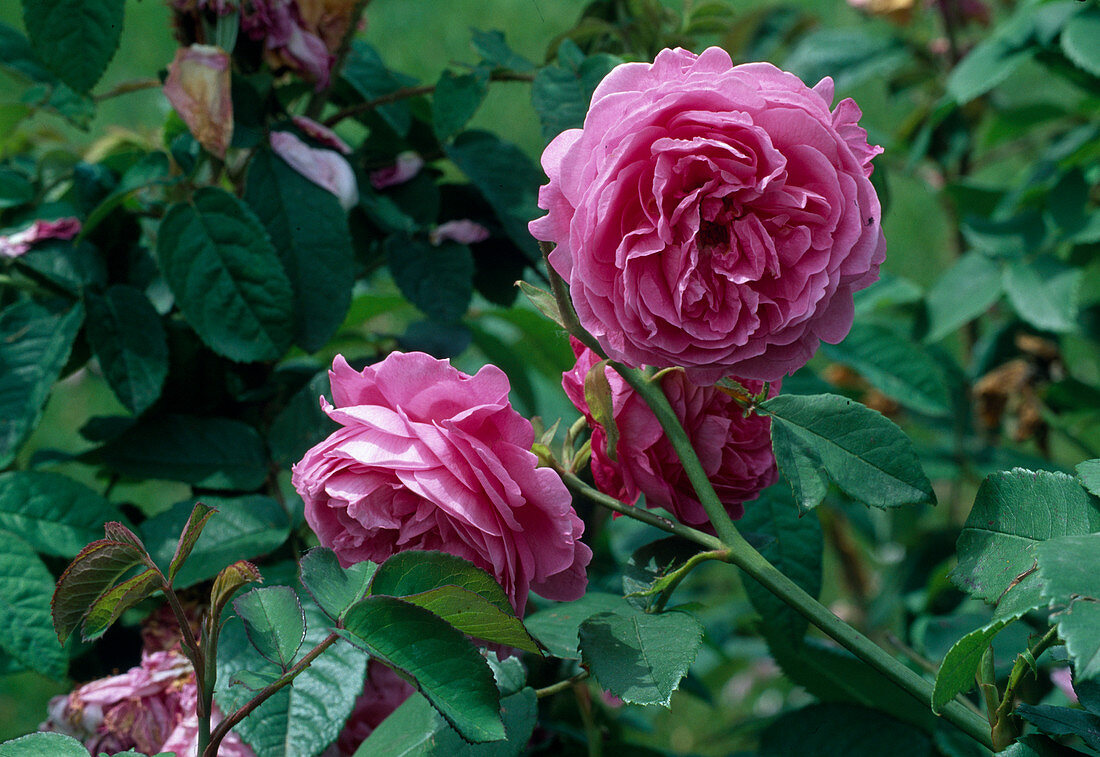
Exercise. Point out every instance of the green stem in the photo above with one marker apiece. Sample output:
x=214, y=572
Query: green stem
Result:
x=666, y=585
x=560, y=686
x=1005, y=723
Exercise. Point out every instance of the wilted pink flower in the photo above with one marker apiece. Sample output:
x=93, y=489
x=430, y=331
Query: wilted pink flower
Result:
x=406, y=165
x=322, y=134
x=325, y=168
x=735, y=451
x=288, y=39
x=428, y=457
x=198, y=88
x=464, y=231
x=150, y=708
x=712, y=216
x=14, y=245
x=328, y=19
x=385, y=691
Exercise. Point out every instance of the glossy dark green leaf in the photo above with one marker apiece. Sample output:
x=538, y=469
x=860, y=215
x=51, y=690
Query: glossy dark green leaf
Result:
x=75, y=38
x=829, y=730
x=55, y=514
x=960, y=665
x=365, y=71
x=127, y=336
x=43, y=744
x=651, y=563
x=16, y=54
x=310, y=232
x=796, y=547
x=301, y=423
x=332, y=587
x=851, y=56
x=26, y=586
x=475, y=616
x=1063, y=721
x=154, y=168
x=1014, y=511
x=1044, y=291
x=961, y=294
x=1079, y=40
x=447, y=669
x=1069, y=574
x=274, y=621
x=492, y=46
x=226, y=276
x=895, y=366
x=992, y=60
x=438, y=280
x=1088, y=473
x=413, y=572
x=35, y=342
x=91, y=573
x=640, y=657
x=822, y=438
x=556, y=626
x=244, y=528
x=15, y=189
x=455, y=101
x=561, y=92
x=415, y=729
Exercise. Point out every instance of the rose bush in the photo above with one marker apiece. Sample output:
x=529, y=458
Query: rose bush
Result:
x=428, y=457
x=384, y=692
x=712, y=216
x=735, y=449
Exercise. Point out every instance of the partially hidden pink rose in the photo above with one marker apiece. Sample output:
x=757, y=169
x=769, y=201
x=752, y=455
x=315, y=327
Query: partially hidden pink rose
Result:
x=289, y=39
x=151, y=708
x=14, y=245
x=325, y=168
x=1062, y=678
x=405, y=166
x=384, y=692
x=463, y=231
x=430, y=458
x=712, y=216
x=198, y=88
x=320, y=133
x=735, y=451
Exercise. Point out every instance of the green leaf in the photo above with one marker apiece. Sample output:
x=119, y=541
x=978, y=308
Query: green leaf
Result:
x=1069, y=574
x=16, y=54
x=960, y=665
x=153, y=169
x=597, y=395
x=964, y=292
x=828, y=730
x=640, y=657
x=310, y=232
x=850, y=56
x=796, y=548
x=446, y=668
x=302, y=719
x=55, y=514
x=1088, y=472
x=227, y=277
x=475, y=616
x=91, y=573
x=368, y=75
x=35, y=342
x=650, y=565
x=1013, y=511
x=1044, y=291
x=413, y=572
x=26, y=587
x=1063, y=721
x=492, y=47
x=415, y=729
x=15, y=189
x=76, y=38
x=110, y=605
x=1079, y=40
x=216, y=453
x=557, y=626
x=507, y=179
x=301, y=423
x=245, y=528
x=127, y=336
x=196, y=521
x=438, y=280
x=993, y=59
x=543, y=301
x=895, y=366
x=561, y=93
x=824, y=437
x=1037, y=745
x=274, y=621
x=332, y=587
x=43, y=745
x=455, y=101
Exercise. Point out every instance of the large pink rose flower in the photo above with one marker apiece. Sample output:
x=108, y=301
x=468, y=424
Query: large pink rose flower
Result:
x=712, y=216
x=430, y=458
x=735, y=450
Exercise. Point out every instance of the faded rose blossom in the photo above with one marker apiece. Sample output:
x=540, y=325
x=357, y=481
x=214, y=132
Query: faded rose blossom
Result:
x=430, y=458
x=384, y=692
x=464, y=231
x=325, y=168
x=735, y=451
x=321, y=133
x=328, y=19
x=287, y=39
x=14, y=245
x=198, y=88
x=149, y=708
x=406, y=165
x=712, y=216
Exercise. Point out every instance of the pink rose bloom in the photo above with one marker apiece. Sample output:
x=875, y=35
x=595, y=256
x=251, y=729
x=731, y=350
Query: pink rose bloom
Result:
x=735, y=451
x=712, y=216
x=464, y=231
x=430, y=458
x=325, y=168
x=406, y=165
x=288, y=39
x=199, y=90
x=14, y=245
x=384, y=692
x=150, y=708
x=320, y=133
